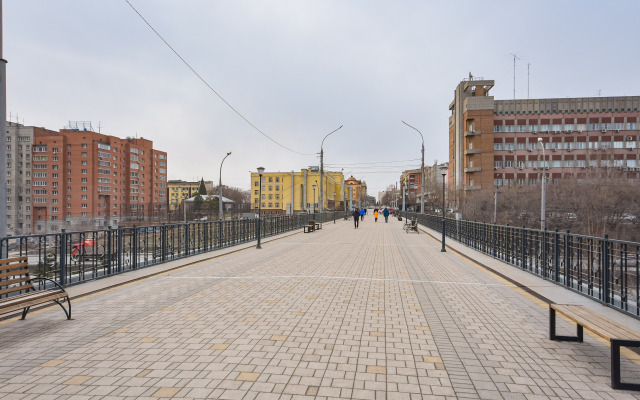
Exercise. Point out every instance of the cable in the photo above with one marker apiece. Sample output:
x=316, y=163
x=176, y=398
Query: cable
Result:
x=377, y=162
x=211, y=88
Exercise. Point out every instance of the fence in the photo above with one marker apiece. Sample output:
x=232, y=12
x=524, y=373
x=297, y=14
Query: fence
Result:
x=73, y=257
x=603, y=269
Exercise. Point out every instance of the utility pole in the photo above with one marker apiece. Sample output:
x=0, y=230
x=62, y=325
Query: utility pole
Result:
x=3, y=136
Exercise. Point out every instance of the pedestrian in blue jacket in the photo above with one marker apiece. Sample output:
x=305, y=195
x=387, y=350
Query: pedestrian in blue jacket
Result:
x=386, y=214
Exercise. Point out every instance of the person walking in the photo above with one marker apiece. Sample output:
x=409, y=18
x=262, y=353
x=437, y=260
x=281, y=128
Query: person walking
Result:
x=375, y=215
x=356, y=217
x=386, y=214
x=362, y=214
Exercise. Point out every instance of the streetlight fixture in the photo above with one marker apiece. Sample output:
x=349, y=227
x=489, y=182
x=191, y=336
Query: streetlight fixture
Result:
x=443, y=170
x=221, y=216
x=260, y=172
x=421, y=168
x=543, y=223
x=322, y=167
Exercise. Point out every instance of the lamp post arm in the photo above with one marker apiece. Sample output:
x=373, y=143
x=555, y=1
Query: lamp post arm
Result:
x=322, y=166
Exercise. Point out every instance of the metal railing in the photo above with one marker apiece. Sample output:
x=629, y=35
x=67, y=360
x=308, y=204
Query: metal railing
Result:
x=603, y=269
x=73, y=257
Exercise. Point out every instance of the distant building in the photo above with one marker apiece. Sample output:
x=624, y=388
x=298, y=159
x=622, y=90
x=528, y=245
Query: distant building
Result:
x=19, y=176
x=180, y=190
x=82, y=179
x=495, y=142
x=286, y=193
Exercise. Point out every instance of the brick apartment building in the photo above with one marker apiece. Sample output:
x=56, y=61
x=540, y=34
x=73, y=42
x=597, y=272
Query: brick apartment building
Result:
x=80, y=179
x=496, y=142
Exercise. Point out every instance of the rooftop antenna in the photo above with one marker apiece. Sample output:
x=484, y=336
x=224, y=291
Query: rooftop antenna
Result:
x=528, y=66
x=99, y=126
x=599, y=91
x=515, y=57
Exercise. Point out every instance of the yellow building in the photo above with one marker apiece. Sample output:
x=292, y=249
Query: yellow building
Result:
x=180, y=190
x=295, y=192
x=354, y=192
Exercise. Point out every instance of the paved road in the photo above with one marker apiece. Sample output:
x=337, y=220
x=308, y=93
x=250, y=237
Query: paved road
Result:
x=370, y=313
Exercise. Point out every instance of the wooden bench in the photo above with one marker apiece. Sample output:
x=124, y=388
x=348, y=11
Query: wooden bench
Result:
x=617, y=335
x=307, y=228
x=317, y=226
x=411, y=225
x=17, y=291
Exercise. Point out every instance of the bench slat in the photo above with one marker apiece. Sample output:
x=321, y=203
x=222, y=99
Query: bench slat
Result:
x=608, y=328
x=13, y=260
x=15, y=269
x=18, y=288
x=18, y=304
x=596, y=323
x=31, y=296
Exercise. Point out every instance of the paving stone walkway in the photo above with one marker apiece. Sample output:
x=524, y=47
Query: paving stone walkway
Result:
x=368, y=313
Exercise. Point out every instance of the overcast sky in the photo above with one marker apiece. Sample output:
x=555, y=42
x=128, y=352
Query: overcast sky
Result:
x=298, y=70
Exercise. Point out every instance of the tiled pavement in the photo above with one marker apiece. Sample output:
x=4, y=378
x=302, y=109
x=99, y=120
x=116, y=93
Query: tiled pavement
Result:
x=370, y=313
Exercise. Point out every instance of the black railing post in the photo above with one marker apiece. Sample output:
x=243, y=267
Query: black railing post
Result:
x=109, y=252
x=63, y=257
x=523, y=249
x=568, y=258
x=134, y=252
x=186, y=239
x=556, y=256
x=119, y=249
x=206, y=236
x=163, y=238
x=605, y=269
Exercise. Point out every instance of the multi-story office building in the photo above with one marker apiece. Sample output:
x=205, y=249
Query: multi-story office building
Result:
x=295, y=192
x=82, y=179
x=500, y=142
x=19, y=176
x=180, y=190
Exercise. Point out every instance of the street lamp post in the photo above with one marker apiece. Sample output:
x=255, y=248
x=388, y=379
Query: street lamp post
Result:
x=260, y=172
x=221, y=216
x=543, y=201
x=322, y=167
x=421, y=168
x=443, y=170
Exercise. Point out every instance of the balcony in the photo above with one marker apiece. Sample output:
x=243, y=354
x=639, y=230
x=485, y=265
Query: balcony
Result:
x=473, y=169
x=472, y=133
x=474, y=187
x=472, y=151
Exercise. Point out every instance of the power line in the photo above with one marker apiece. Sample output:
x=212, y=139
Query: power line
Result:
x=377, y=162
x=211, y=88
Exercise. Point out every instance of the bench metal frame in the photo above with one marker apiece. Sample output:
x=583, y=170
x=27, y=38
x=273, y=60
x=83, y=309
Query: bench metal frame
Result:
x=616, y=344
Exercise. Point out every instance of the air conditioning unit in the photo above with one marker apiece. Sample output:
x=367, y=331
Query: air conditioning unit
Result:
x=520, y=168
x=629, y=148
x=616, y=130
x=510, y=151
x=553, y=149
x=629, y=138
x=604, y=130
x=569, y=149
x=529, y=150
x=580, y=131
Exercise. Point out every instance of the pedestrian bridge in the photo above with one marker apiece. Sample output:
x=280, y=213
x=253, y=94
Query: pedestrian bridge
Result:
x=337, y=313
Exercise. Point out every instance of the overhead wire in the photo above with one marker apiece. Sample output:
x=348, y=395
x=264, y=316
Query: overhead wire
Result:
x=211, y=88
